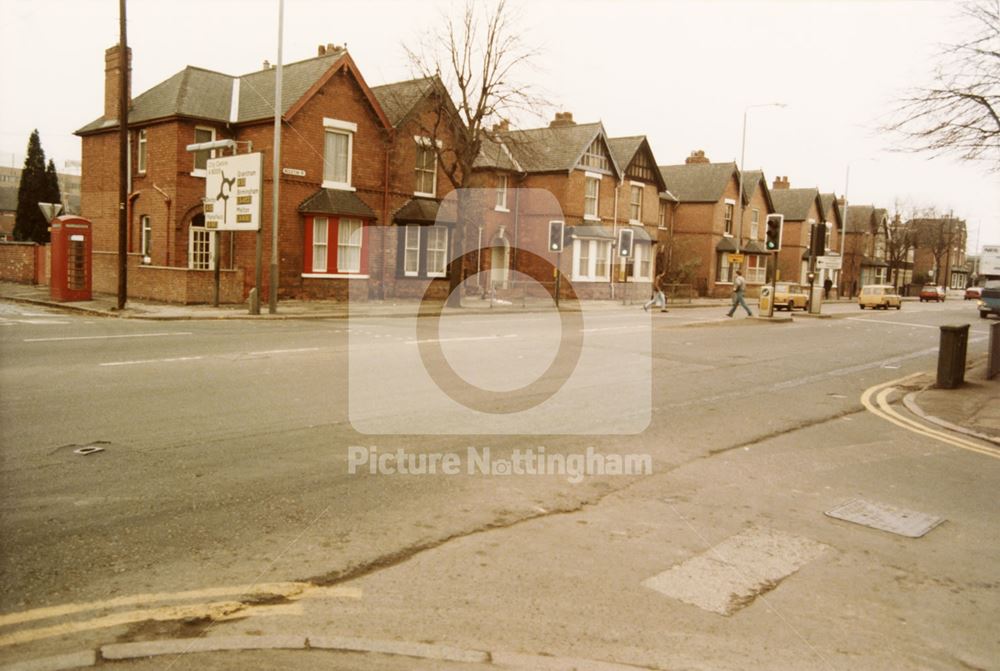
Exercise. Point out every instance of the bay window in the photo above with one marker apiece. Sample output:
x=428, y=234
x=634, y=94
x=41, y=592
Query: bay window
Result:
x=423, y=251
x=591, y=260
x=334, y=246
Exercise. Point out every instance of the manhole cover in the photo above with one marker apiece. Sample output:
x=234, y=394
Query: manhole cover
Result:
x=909, y=523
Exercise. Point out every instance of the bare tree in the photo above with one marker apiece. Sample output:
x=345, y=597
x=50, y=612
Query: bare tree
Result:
x=941, y=237
x=959, y=112
x=900, y=241
x=477, y=62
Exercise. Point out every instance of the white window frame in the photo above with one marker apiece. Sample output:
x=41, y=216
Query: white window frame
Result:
x=725, y=207
x=442, y=233
x=643, y=255
x=424, y=143
x=195, y=170
x=348, y=129
x=632, y=204
x=415, y=248
x=321, y=223
x=146, y=238
x=592, y=247
x=756, y=274
x=829, y=235
x=661, y=217
x=343, y=245
x=724, y=264
x=142, y=159
x=501, y=204
x=195, y=254
x=588, y=178
x=754, y=224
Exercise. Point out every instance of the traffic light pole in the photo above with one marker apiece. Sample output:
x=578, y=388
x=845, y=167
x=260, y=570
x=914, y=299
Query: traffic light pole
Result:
x=774, y=282
x=558, y=275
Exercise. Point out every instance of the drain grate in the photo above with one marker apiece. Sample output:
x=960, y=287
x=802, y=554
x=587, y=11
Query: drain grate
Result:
x=909, y=523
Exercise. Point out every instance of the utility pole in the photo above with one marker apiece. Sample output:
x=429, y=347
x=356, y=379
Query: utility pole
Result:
x=272, y=294
x=124, y=64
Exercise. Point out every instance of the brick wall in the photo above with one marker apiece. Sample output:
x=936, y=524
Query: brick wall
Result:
x=161, y=283
x=18, y=262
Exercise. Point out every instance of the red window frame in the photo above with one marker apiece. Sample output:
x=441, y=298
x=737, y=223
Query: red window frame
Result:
x=332, y=262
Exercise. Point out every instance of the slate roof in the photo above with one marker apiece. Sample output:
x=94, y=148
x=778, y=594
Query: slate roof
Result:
x=336, y=201
x=859, y=218
x=203, y=94
x=494, y=155
x=425, y=211
x=697, y=182
x=590, y=231
x=398, y=98
x=795, y=203
x=725, y=244
x=752, y=179
x=624, y=148
x=831, y=207
x=553, y=149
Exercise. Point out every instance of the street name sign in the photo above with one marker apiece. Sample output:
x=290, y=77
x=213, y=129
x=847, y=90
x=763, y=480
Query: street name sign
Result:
x=233, y=192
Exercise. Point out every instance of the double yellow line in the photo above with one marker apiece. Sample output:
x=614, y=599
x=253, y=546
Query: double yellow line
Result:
x=881, y=407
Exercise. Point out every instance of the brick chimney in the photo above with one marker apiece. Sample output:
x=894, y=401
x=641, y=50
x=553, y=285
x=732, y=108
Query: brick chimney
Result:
x=112, y=81
x=501, y=126
x=321, y=50
x=697, y=156
x=781, y=183
x=562, y=119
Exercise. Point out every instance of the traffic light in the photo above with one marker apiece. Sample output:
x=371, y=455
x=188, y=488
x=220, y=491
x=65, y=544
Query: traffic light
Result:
x=772, y=239
x=556, y=232
x=625, y=237
x=817, y=243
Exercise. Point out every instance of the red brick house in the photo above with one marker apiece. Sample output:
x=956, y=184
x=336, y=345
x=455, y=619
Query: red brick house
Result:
x=802, y=208
x=346, y=167
x=707, y=225
x=596, y=195
x=865, y=248
x=939, y=253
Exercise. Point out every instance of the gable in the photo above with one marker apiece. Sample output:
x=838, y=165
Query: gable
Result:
x=596, y=156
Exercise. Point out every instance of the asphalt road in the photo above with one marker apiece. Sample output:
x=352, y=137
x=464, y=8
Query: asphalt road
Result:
x=225, y=446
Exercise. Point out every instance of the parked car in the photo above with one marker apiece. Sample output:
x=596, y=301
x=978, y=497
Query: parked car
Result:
x=989, y=302
x=932, y=292
x=789, y=296
x=973, y=293
x=879, y=296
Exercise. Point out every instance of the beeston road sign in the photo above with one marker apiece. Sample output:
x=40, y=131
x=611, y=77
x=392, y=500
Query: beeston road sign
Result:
x=232, y=192
x=829, y=262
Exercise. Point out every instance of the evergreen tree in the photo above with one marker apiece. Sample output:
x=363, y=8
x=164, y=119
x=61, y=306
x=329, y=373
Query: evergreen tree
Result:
x=52, y=191
x=30, y=223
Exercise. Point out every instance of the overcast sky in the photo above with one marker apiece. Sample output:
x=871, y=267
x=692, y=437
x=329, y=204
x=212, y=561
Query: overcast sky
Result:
x=681, y=73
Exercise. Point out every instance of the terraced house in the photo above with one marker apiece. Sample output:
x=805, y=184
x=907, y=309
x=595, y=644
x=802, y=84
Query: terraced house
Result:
x=347, y=168
x=802, y=208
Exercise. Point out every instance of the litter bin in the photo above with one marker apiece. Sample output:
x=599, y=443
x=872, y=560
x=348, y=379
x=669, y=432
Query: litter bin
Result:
x=951, y=356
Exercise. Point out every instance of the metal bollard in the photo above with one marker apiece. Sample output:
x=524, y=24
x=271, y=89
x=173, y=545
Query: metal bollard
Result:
x=993, y=362
x=951, y=356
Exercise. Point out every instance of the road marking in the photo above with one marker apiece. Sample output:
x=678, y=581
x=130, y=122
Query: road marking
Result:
x=141, y=361
x=286, y=351
x=616, y=328
x=286, y=589
x=881, y=408
x=108, y=337
x=910, y=324
x=465, y=339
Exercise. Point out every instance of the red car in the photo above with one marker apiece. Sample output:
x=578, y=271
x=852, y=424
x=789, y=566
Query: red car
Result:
x=932, y=293
x=973, y=293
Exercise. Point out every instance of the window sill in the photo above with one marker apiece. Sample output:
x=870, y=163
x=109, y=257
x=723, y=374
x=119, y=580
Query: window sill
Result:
x=590, y=217
x=421, y=194
x=339, y=186
x=500, y=209
x=591, y=279
x=198, y=173
x=334, y=276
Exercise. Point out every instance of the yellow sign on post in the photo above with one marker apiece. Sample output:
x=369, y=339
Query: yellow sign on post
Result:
x=735, y=258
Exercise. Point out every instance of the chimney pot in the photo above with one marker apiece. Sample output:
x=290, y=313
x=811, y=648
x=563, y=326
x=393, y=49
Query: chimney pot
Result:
x=321, y=50
x=331, y=47
x=781, y=182
x=267, y=65
x=562, y=119
x=697, y=156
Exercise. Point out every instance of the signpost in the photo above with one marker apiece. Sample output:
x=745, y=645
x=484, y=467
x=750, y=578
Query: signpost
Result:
x=829, y=262
x=232, y=200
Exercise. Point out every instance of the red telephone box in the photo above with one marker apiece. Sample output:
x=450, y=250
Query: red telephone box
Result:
x=72, y=275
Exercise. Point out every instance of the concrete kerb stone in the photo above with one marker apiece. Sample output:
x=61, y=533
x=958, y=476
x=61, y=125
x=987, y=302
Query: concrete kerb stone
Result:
x=179, y=646
x=72, y=660
x=442, y=653
x=910, y=401
x=124, y=652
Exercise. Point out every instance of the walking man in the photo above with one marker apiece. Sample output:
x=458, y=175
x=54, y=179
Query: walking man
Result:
x=658, y=297
x=739, y=286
